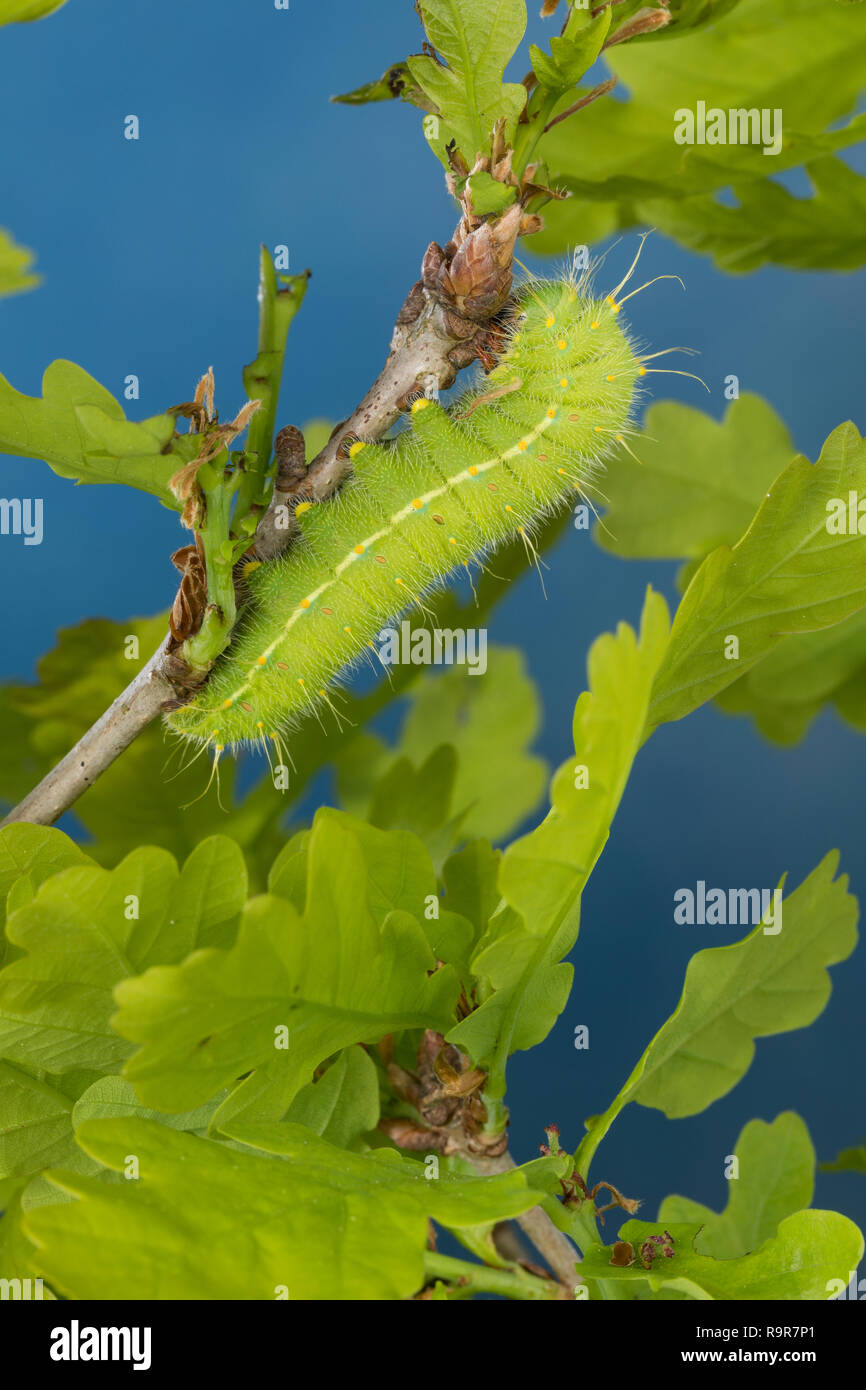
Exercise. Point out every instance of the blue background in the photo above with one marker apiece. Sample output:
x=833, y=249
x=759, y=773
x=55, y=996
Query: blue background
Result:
x=149, y=252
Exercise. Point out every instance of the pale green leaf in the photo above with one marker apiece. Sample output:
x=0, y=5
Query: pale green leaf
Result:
x=310, y=1222
x=775, y=1177
x=811, y=1249
x=786, y=575
x=331, y=978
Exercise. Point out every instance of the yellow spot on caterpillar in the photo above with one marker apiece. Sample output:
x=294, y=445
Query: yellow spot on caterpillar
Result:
x=551, y=414
x=549, y=321
x=347, y=629
x=305, y=603
x=521, y=530
x=564, y=382
x=227, y=704
x=251, y=565
x=321, y=692
x=598, y=429
x=398, y=581
x=220, y=747
x=359, y=550
x=356, y=448
x=472, y=471
x=417, y=503
x=421, y=404
x=594, y=323
x=562, y=344
x=300, y=680
x=522, y=444
x=452, y=540
x=561, y=472
x=261, y=661
x=641, y=371
x=613, y=304
x=508, y=507
x=302, y=507
x=260, y=724
x=611, y=377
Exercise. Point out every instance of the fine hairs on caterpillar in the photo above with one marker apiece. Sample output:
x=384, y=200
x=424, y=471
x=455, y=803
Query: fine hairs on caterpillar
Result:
x=447, y=490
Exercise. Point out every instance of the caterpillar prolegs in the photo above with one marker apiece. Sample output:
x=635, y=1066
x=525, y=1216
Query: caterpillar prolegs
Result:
x=452, y=486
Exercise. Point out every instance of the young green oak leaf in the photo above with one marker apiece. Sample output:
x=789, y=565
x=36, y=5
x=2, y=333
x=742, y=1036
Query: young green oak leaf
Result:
x=572, y=53
x=287, y=1215
x=772, y=226
x=762, y=985
x=343, y=1104
x=80, y=430
x=542, y=875
x=847, y=1161
x=786, y=575
x=810, y=1249
x=698, y=482
x=476, y=39
x=809, y=68
x=775, y=1177
x=15, y=266
x=36, y=852
x=87, y=928
x=292, y=991
x=16, y=11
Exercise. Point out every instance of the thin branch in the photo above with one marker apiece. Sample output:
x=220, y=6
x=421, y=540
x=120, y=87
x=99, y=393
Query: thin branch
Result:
x=549, y=1241
x=147, y=695
x=470, y=1278
x=601, y=90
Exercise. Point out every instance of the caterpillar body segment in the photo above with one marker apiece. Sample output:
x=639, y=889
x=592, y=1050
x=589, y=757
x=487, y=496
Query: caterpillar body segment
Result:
x=452, y=486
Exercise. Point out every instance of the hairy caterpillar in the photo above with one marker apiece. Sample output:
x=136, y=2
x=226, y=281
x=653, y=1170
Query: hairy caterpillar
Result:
x=449, y=488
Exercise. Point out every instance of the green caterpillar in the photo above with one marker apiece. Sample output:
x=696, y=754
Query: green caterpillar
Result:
x=452, y=486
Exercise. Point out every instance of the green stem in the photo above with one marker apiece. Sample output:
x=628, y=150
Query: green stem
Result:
x=512, y=1282
x=212, y=637
x=278, y=304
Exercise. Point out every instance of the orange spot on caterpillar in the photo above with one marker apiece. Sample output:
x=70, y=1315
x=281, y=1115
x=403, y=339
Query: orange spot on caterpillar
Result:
x=284, y=665
x=329, y=612
x=417, y=503
x=574, y=415
x=551, y=414
x=564, y=382
x=305, y=603
x=359, y=550
x=562, y=344
x=356, y=448
x=261, y=661
x=227, y=704
x=380, y=560
x=542, y=458
x=472, y=470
